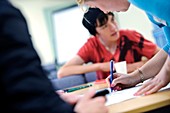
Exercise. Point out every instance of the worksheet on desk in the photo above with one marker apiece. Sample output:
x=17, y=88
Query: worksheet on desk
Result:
x=124, y=95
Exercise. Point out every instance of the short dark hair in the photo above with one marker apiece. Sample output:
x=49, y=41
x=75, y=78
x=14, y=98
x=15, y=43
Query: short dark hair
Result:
x=90, y=18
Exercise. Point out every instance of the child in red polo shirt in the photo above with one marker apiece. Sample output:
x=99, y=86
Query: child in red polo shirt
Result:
x=108, y=43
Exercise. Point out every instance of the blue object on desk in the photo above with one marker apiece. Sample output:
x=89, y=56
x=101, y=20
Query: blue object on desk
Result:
x=111, y=72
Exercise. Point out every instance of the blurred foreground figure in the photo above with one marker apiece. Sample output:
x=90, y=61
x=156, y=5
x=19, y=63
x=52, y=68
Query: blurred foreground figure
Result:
x=24, y=86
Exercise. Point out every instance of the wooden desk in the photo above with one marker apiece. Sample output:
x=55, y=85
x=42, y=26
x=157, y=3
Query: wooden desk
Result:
x=141, y=104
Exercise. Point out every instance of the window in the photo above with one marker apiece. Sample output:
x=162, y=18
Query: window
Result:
x=70, y=34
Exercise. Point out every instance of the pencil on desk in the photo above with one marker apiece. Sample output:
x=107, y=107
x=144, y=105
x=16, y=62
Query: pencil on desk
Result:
x=77, y=88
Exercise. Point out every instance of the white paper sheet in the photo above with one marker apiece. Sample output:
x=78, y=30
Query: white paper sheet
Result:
x=124, y=95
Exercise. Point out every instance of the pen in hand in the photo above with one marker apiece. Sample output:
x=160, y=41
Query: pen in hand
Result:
x=111, y=73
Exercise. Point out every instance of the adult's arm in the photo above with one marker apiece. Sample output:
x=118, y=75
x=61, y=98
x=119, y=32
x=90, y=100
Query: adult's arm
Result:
x=133, y=66
x=154, y=65
x=159, y=81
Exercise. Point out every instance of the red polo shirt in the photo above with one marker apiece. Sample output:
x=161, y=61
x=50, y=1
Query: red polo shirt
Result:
x=131, y=46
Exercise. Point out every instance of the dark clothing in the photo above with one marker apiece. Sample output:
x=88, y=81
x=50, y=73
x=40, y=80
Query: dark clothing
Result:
x=23, y=83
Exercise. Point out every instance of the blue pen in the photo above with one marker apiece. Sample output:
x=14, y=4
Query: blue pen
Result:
x=111, y=73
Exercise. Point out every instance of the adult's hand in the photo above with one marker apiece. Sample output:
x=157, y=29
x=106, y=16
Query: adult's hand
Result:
x=69, y=97
x=88, y=104
x=159, y=81
x=122, y=81
x=153, y=85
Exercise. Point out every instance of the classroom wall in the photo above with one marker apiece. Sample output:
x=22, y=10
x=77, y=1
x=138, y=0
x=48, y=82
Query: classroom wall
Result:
x=38, y=20
x=136, y=19
x=34, y=11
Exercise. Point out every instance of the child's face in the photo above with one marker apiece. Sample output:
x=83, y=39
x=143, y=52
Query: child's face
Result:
x=108, y=31
x=109, y=5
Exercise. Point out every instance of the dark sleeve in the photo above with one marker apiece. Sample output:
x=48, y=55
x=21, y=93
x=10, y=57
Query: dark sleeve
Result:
x=23, y=83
